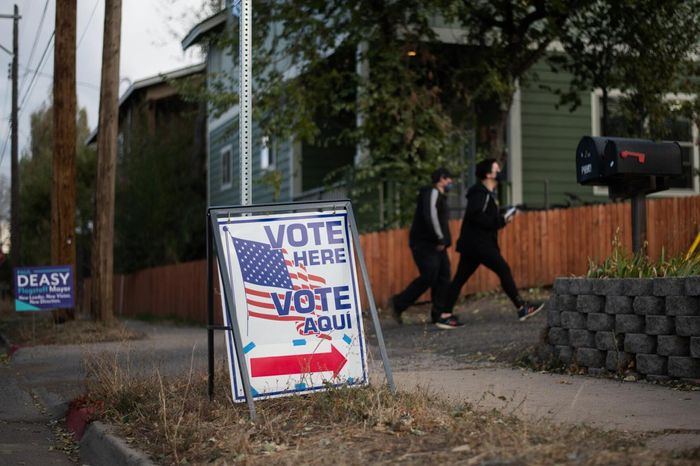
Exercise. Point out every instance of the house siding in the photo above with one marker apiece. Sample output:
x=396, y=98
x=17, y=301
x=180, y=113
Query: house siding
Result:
x=549, y=139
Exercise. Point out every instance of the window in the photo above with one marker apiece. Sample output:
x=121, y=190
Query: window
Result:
x=225, y=167
x=268, y=154
x=677, y=128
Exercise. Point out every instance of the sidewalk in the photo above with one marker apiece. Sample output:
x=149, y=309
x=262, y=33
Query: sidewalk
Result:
x=55, y=376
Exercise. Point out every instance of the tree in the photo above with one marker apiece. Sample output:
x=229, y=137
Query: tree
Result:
x=35, y=190
x=413, y=108
x=643, y=48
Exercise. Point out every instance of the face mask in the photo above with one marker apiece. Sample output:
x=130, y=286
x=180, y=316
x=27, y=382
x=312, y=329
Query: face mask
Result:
x=448, y=188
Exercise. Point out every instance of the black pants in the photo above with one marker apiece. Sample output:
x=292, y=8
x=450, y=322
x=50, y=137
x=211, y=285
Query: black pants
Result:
x=434, y=269
x=468, y=263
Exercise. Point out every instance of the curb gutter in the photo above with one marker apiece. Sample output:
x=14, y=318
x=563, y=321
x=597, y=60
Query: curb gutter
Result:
x=100, y=446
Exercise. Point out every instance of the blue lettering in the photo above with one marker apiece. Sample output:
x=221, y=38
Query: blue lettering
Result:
x=310, y=301
x=282, y=308
x=324, y=323
x=313, y=257
x=339, y=255
x=339, y=325
x=326, y=256
x=276, y=243
x=339, y=305
x=323, y=295
x=335, y=235
x=303, y=237
x=310, y=326
x=299, y=257
x=316, y=227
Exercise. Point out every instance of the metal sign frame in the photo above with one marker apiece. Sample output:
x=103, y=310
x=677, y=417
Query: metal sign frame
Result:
x=215, y=249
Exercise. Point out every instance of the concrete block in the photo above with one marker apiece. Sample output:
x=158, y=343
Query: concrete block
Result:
x=600, y=321
x=618, y=305
x=573, y=320
x=608, y=287
x=589, y=303
x=672, y=345
x=629, y=323
x=637, y=286
x=640, y=343
x=659, y=325
x=565, y=302
x=589, y=357
x=682, y=306
x=688, y=368
x=652, y=364
x=561, y=285
x=669, y=286
x=608, y=341
x=558, y=336
x=554, y=317
x=618, y=361
x=581, y=337
x=688, y=326
x=695, y=347
x=692, y=286
x=578, y=286
x=564, y=354
x=644, y=305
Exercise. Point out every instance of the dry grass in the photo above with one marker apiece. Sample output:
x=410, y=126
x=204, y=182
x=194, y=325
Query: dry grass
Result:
x=40, y=329
x=175, y=423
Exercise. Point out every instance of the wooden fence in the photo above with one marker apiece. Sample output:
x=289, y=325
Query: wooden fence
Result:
x=539, y=246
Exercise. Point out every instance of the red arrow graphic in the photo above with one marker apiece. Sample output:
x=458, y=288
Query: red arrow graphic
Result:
x=298, y=364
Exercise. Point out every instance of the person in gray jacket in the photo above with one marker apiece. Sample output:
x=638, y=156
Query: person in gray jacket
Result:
x=429, y=239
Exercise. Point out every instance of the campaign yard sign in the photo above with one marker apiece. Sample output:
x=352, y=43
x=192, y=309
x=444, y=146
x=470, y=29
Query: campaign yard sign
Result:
x=44, y=288
x=295, y=289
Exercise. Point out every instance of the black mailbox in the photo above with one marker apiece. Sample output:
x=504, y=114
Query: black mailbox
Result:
x=625, y=158
x=627, y=166
x=589, y=159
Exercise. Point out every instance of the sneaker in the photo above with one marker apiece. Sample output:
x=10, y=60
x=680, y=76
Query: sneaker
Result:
x=391, y=307
x=448, y=323
x=529, y=309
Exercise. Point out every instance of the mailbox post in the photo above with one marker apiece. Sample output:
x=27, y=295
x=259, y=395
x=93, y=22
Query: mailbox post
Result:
x=631, y=169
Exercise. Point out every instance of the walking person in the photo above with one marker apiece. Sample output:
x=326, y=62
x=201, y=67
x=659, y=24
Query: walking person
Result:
x=478, y=242
x=429, y=239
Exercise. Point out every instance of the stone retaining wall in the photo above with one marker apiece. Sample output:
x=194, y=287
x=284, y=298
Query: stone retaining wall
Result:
x=650, y=326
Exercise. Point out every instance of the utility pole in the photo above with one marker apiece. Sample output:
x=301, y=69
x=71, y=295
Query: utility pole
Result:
x=14, y=170
x=103, y=235
x=63, y=180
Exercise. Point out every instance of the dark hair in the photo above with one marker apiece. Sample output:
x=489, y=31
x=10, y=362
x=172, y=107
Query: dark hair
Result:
x=441, y=172
x=483, y=168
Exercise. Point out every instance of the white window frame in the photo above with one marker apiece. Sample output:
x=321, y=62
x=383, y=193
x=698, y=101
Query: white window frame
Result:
x=228, y=148
x=596, y=131
x=268, y=153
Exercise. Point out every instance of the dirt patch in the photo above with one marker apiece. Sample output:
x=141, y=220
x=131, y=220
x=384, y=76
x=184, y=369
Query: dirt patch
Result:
x=174, y=422
x=40, y=329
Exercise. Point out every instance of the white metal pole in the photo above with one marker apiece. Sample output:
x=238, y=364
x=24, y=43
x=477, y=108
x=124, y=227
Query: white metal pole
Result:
x=246, y=104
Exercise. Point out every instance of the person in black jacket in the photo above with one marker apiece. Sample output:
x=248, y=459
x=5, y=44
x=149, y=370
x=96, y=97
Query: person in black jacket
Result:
x=478, y=241
x=429, y=239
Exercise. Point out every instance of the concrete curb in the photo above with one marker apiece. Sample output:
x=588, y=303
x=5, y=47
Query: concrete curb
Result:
x=100, y=446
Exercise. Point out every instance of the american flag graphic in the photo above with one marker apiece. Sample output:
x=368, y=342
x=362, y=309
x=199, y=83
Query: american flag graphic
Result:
x=266, y=271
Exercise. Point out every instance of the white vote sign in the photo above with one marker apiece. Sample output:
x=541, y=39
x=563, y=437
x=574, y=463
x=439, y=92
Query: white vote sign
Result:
x=297, y=303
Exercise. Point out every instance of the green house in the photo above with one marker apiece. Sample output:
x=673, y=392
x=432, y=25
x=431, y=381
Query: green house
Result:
x=540, y=145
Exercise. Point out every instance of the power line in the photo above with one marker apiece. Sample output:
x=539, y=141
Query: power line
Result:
x=79, y=83
x=36, y=39
x=94, y=8
x=33, y=80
